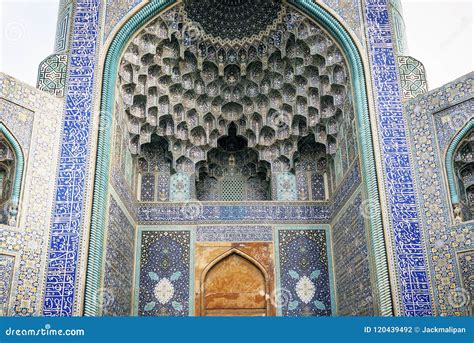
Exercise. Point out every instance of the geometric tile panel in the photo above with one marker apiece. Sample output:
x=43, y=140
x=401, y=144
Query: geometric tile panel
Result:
x=164, y=273
x=305, y=288
x=412, y=77
x=52, y=75
x=7, y=264
x=414, y=297
x=116, y=295
x=68, y=213
x=351, y=261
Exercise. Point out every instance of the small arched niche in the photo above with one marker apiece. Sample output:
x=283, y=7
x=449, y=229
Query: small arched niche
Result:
x=234, y=284
x=464, y=173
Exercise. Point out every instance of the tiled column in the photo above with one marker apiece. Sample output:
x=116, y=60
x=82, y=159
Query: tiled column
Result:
x=68, y=212
x=410, y=264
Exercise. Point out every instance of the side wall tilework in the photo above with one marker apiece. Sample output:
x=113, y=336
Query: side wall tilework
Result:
x=115, y=11
x=28, y=242
x=354, y=292
x=304, y=272
x=449, y=121
x=72, y=175
x=164, y=275
x=443, y=238
x=7, y=264
x=19, y=120
x=119, y=257
x=466, y=269
x=120, y=186
x=413, y=284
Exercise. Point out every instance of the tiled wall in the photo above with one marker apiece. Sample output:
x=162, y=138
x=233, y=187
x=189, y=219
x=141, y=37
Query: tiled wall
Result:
x=354, y=291
x=115, y=298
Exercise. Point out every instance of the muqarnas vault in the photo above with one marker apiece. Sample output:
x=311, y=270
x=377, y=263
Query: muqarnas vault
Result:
x=235, y=158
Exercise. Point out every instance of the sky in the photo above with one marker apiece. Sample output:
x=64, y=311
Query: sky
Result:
x=439, y=32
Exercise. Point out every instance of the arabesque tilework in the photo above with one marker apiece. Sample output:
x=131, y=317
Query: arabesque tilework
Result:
x=304, y=271
x=115, y=11
x=32, y=116
x=164, y=275
x=433, y=120
x=7, y=264
x=466, y=269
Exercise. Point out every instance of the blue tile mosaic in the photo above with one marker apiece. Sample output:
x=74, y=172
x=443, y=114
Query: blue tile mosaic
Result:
x=351, y=261
x=164, y=273
x=68, y=211
x=413, y=281
x=304, y=273
x=118, y=274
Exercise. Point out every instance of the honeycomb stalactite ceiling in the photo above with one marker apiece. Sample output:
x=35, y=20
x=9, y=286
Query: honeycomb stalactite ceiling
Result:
x=291, y=84
x=233, y=19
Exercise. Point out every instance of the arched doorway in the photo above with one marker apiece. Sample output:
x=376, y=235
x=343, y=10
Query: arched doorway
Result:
x=234, y=284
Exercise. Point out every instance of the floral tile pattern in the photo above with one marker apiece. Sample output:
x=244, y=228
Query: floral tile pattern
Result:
x=304, y=273
x=164, y=273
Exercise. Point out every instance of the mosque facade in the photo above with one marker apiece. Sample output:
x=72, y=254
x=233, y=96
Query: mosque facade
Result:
x=235, y=158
